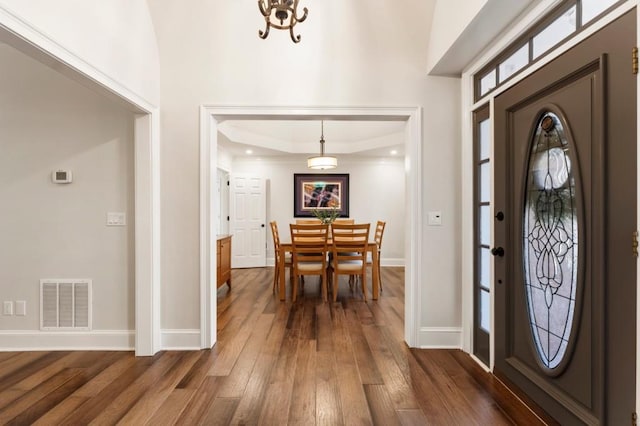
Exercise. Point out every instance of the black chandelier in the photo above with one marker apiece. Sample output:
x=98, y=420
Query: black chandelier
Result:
x=282, y=15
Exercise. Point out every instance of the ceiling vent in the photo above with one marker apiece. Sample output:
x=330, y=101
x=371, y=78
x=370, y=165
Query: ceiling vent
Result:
x=65, y=304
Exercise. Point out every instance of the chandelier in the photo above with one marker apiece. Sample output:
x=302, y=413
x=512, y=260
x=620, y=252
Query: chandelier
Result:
x=322, y=162
x=282, y=15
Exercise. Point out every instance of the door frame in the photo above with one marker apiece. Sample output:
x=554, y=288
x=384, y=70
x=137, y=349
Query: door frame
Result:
x=468, y=106
x=212, y=115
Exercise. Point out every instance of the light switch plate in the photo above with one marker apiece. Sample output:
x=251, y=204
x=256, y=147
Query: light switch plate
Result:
x=116, y=219
x=7, y=308
x=21, y=307
x=434, y=218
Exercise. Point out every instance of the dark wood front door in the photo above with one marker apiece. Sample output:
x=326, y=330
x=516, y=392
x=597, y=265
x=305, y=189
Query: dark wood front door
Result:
x=565, y=180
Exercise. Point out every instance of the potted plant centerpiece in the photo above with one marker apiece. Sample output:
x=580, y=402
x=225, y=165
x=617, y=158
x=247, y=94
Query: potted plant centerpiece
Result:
x=326, y=216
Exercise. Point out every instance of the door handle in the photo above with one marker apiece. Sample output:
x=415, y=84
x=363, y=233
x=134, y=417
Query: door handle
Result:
x=497, y=251
x=262, y=226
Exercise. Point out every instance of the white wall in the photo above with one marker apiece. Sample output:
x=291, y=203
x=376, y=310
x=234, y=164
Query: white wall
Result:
x=49, y=122
x=115, y=37
x=376, y=192
x=450, y=19
x=356, y=53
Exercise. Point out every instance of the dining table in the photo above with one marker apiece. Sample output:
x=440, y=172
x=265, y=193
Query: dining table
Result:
x=372, y=247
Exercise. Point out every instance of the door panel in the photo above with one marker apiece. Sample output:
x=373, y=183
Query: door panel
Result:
x=590, y=384
x=247, y=221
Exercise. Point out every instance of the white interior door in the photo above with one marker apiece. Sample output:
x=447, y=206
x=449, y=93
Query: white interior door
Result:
x=248, y=212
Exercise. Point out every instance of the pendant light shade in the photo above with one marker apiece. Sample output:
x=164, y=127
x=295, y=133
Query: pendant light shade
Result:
x=322, y=162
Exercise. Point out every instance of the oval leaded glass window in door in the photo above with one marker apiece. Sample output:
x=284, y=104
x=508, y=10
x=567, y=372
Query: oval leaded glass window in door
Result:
x=550, y=243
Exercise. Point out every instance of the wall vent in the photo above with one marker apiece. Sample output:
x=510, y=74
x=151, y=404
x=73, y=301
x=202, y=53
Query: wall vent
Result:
x=65, y=304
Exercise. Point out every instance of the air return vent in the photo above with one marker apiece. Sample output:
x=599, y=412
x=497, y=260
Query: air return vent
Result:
x=65, y=304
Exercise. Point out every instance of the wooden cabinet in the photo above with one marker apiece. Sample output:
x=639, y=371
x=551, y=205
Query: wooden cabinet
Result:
x=224, y=260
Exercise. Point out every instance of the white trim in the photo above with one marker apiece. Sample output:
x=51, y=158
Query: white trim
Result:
x=35, y=37
x=440, y=338
x=96, y=340
x=480, y=363
x=38, y=45
x=181, y=340
x=210, y=115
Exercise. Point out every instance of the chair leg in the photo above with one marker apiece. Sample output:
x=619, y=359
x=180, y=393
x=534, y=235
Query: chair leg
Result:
x=364, y=284
x=335, y=286
x=379, y=273
x=276, y=276
x=294, y=289
x=323, y=284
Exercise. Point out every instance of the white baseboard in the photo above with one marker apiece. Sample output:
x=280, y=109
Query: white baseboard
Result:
x=95, y=340
x=440, y=338
x=180, y=340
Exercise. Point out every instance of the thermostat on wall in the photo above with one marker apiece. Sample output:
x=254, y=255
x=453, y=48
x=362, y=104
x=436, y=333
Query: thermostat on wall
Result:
x=61, y=176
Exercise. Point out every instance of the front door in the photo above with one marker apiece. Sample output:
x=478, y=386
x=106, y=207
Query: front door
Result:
x=565, y=183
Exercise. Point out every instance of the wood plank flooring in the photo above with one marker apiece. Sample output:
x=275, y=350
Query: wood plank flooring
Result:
x=275, y=363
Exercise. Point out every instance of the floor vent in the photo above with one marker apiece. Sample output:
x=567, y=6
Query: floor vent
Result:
x=65, y=304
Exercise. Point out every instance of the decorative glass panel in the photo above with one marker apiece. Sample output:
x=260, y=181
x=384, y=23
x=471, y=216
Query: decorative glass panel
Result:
x=555, y=32
x=550, y=241
x=514, y=63
x=484, y=225
x=485, y=181
x=488, y=82
x=484, y=139
x=593, y=8
x=484, y=267
x=485, y=310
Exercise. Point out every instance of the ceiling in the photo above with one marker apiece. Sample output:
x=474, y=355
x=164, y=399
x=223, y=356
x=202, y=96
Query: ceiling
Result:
x=301, y=138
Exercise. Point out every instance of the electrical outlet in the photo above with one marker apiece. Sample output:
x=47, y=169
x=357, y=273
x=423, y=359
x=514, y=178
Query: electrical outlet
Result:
x=7, y=308
x=21, y=307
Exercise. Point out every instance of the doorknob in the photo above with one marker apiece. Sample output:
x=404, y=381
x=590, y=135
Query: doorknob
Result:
x=500, y=216
x=262, y=226
x=497, y=251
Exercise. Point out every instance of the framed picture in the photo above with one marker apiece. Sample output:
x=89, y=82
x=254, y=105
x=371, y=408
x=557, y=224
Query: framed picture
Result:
x=320, y=191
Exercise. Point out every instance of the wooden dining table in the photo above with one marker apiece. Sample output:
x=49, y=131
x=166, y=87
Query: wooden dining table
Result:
x=372, y=247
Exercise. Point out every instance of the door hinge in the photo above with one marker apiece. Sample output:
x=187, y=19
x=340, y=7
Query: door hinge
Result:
x=634, y=243
x=634, y=419
x=634, y=60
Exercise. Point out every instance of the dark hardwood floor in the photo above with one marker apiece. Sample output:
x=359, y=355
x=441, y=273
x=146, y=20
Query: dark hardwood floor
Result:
x=274, y=364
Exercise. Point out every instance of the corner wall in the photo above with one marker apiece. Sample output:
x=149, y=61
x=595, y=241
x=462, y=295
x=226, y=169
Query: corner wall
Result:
x=48, y=123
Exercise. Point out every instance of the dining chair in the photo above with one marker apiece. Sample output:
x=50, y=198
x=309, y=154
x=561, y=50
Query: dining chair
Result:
x=309, y=248
x=276, y=249
x=349, y=254
x=379, y=232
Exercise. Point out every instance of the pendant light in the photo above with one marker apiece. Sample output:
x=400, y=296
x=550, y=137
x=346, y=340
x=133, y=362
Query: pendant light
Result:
x=322, y=162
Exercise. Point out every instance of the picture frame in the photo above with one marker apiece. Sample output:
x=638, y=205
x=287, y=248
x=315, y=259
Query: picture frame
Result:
x=321, y=192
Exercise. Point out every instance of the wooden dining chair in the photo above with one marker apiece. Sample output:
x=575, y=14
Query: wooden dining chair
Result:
x=309, y=248
x=379, y=232
x=349, y=254
x=276, y=249
x=308, y=222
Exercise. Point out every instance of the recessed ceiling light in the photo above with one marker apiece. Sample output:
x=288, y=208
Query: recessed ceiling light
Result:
x=249, y=152
x=393, y=152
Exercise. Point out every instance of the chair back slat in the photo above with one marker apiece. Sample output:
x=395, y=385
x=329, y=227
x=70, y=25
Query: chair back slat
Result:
x=309, y=243
x=350, y=241
x=379, y=233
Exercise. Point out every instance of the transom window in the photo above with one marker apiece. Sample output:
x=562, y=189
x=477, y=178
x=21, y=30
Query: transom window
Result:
x=566, y=20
